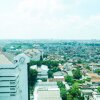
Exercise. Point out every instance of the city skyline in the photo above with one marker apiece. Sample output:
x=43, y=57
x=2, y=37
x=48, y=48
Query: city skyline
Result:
x=49, y=19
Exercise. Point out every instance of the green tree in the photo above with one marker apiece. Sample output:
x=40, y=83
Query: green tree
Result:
x=97, y=71
x=88, y=79
x=63, y=93
x=49, y=63
x=55, y=69
x=50, y=74
x=77, y=74
x=41, y=58
x=32, y=77
x=79, y=61
x=87, y=67
x=69, y=79
x=98, y=89
x=60, y=84
x=74, y=91
x=4, y=49
x=69, y=97
x=45, y=55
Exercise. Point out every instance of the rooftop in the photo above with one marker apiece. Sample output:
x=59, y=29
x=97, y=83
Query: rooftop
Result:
x=47, y=91
x=49, y=95
x=87, y=91
x=47, y=84
x=59, y=73
x=4, y=59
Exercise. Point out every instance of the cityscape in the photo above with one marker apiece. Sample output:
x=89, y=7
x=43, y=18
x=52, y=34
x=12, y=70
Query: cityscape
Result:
x=49, y=49
x=49, y=69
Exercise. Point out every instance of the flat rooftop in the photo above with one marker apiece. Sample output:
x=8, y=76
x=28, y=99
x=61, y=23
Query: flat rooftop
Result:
x=47, y=91
x=47, y=84
x=49, y=95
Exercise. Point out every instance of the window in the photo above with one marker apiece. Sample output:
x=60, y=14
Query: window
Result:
x=12, y=94
x=12, y=88
x=12, y=82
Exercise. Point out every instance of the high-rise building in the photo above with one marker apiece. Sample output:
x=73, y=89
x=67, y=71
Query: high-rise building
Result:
x=14, y=78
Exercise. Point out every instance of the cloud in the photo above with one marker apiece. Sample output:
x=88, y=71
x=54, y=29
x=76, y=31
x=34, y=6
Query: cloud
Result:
x=49, y=19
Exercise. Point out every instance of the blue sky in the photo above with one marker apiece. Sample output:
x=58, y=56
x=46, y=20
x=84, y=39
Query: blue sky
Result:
x=49, y=19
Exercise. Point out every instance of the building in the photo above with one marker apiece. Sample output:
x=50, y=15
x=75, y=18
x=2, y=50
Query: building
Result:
x=47, y=91
x=86, y=93
x=33, y=54
x=14, y=78
x=42, y=71
x=96, y=96
x=94, y=66
x=57, y=76
x=89, y=94
x=42, y=75
x=68, y=66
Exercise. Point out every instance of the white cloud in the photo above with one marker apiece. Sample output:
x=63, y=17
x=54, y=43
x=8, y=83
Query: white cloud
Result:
x=48, y=19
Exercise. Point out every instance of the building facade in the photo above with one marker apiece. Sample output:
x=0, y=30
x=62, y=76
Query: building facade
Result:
x=14, y=78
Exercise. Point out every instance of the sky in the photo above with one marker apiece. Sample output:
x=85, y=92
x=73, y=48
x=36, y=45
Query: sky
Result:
x=49, y=19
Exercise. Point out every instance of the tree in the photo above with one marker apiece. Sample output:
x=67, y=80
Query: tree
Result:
x=32, y=76
x=98, y=89
x=45, y=55
x=87, y=67
x=49, y=63
x=60, y=84
x=88, y=79
x=97, y=71
x=69, y=97
x=74, y=91
x=50, y=74
x=4, y=50
x=41, y=58
x=63, y=93
x=77, y=74
x=55, y=69
x=79, y=61
x=69, y=79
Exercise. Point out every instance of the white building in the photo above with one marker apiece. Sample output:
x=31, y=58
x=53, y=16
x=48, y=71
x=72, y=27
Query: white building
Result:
x=96, y=96
x=47, y=91
x=13, y=78
x=42, y=71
